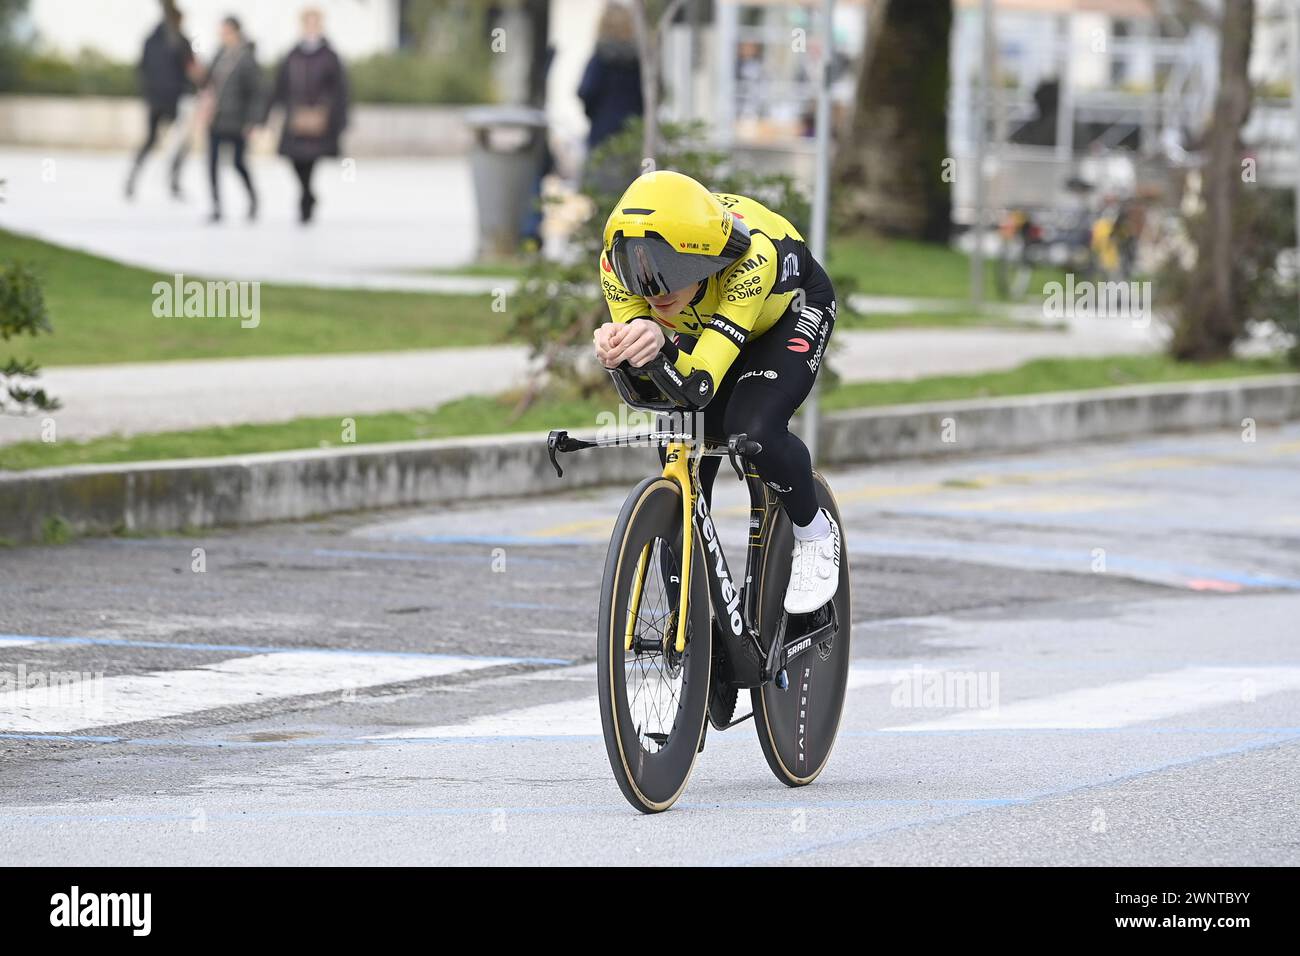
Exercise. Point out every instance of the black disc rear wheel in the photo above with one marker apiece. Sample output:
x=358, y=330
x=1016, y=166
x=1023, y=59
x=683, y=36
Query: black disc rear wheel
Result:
x=797, y=726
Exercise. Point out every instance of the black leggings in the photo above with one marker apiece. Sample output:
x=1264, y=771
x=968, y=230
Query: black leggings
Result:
x=303, y=168
x=765, y=387
x=239, y=142
x=157, y=118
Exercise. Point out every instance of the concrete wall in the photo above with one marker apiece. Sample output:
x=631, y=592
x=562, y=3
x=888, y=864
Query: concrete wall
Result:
x=119, y=124
x=172, y=496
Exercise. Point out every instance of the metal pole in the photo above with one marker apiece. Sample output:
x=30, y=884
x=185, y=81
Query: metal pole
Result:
x=821, y=192
x=981, y=142
x=1294, y=16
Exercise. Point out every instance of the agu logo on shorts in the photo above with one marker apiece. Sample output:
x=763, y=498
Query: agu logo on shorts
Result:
x=798, y=345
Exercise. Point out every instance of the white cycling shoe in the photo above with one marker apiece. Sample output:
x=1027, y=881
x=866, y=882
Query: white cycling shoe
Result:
x=814, y=572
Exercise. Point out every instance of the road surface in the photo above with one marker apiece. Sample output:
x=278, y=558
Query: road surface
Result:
x=418, y=686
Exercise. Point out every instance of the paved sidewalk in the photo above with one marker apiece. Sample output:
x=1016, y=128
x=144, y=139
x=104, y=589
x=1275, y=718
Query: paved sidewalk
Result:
x=377, y=220
x=129, y=399
x=105, y=399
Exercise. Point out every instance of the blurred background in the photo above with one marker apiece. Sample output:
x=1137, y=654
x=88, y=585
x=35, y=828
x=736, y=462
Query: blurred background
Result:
x=994, y=171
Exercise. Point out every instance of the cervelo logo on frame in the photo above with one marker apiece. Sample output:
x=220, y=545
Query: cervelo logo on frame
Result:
x=730, y=596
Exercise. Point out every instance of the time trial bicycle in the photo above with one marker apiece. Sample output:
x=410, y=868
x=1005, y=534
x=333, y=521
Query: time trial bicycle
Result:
x=679, y=636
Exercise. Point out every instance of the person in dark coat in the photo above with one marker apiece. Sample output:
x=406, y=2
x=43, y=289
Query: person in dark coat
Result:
x=611, y=85
x=231, y=107
x=165, y=71
x=312, y=86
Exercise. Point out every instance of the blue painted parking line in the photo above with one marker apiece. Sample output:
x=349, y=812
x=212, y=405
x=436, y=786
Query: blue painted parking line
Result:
x=870, y=832
x=587, y=739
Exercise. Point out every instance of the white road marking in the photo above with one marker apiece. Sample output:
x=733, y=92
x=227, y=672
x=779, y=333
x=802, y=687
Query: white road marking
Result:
x=1124, y=703
x=574, y=718
x=14, y=642
x=83, y=701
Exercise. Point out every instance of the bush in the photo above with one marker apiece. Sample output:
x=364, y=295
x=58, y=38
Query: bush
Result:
x=89, y=74
x=409, y=78
x=22, y=311
x=385, y=78
x=561, y=304
x=1265, y=264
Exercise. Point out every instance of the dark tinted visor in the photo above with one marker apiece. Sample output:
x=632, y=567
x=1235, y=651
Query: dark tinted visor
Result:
x=650, y=266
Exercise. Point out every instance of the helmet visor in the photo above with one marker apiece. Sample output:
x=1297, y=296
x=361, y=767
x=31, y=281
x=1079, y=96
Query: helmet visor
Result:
x=649, y=266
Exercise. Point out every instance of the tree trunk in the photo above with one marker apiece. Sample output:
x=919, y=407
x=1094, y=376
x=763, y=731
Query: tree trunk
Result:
x=889, y=171
x=651, y=20
x=1213, y=313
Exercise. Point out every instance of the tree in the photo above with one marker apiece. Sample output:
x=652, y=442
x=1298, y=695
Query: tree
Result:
x=651, y=21
x=10, y=49
x=888, y=174
x=1214, y=305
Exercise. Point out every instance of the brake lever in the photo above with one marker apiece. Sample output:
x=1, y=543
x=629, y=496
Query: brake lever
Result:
x=552, y=446
x=559, y=441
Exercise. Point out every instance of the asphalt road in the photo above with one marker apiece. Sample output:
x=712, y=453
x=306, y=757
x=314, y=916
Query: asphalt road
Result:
x=417, y=687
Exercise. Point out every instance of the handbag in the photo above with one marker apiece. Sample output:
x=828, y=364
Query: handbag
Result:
x=308, y=120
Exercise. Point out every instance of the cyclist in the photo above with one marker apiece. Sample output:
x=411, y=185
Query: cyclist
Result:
x=722, y=293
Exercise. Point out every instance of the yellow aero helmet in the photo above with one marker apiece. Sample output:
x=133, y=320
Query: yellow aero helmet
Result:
x=668, y=231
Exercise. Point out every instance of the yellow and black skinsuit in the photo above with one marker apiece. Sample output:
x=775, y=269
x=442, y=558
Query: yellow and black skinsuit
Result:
x=758, y=330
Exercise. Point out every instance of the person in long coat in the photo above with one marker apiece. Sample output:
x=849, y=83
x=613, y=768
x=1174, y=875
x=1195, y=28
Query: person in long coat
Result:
x=230, y=107
x=166, y=70
x=312, y=87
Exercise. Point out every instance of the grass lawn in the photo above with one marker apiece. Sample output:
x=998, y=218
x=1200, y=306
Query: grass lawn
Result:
x=919, y=320
x=488, y=415
x=903, y=267
x=103, y=312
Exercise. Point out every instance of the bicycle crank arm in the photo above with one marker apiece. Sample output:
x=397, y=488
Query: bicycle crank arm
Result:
x=791, y=650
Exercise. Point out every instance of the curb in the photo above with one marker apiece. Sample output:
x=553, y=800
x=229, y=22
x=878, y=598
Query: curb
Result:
x=171, y=496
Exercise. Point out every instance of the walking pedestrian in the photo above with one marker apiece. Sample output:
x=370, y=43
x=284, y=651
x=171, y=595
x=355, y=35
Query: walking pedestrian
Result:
x=312, y=86
x=166, y=70
x=610, y=91
x=231, y=107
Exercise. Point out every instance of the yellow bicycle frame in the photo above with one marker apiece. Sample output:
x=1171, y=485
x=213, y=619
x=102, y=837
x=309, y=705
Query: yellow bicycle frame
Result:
x=678, y=467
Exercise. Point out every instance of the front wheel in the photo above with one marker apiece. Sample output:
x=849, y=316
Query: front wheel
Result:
x=797, y=726
x=652, y=699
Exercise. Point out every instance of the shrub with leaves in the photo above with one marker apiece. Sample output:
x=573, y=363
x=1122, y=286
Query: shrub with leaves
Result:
x=558, y=305
x=1265, y=265
x=22, y=311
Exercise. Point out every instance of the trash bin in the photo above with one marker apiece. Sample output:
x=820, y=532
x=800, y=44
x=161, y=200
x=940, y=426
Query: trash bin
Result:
x=509, y=149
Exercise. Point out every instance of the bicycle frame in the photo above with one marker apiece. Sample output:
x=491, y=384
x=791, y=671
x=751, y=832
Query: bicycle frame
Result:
x=735, y=608
x=738, y=618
